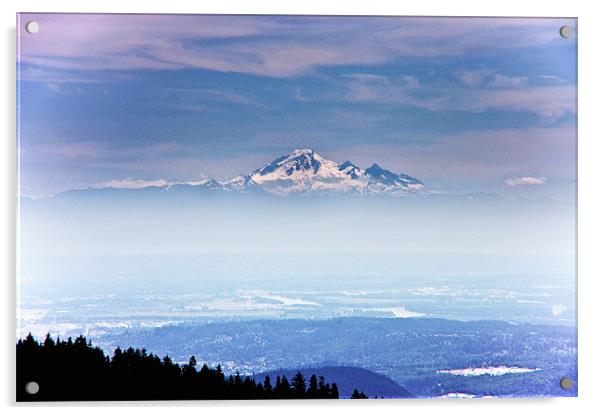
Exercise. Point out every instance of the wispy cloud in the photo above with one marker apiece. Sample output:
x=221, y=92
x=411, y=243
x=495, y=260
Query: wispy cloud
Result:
x=356, y=119
x=208, y=95
x=473, y=78
x=486, y=77
x=505, y=81
x=267, y=46
x=132, y=183
x=97, y=150
x=524, y=181
x=552, y=79
x=200, y=99
x=379, y=89
x=506, y=93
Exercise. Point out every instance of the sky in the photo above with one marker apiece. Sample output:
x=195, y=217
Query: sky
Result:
x=463, y=104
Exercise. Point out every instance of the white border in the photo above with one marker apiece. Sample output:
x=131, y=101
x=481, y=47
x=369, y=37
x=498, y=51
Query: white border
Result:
x=590, y=208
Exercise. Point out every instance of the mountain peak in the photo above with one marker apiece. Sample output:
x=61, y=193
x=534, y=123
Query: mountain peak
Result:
x=376, y=171
x=350, y=169
x=302, y=152
x=387, y=178
x=347, y=164
x=300, y=164
x=303, y=171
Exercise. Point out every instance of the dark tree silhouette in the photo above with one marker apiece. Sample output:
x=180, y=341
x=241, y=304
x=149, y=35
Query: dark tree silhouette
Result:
x=335, y=391
x=313, y=391
x=267, y=385
x=323, y=388
x=358, y=395
x=74, y=370
x=285, y=391
x=299, y=386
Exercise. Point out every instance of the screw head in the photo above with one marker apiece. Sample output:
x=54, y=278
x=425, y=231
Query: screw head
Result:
x=32, y=388
x=566, y=31
x=566, y=383
x=32, y=27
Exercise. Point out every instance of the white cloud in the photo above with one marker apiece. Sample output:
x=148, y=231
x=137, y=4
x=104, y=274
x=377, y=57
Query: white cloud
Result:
x=558, y=310
x=289, y=301
x=505, y=81
x=490, y=371
x=401, y=312
x=411, y=81
x=550, y=102
x=486, y=77
x=132, y=183
x=378, y=89
x=524, y=181
x=208, y=95
x=552, y=78
x=474, y=78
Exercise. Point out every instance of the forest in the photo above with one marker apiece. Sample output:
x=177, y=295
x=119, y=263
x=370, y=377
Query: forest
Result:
x=75, y=370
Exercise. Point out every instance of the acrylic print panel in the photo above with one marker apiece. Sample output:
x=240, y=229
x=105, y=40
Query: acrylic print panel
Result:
x=273, y=207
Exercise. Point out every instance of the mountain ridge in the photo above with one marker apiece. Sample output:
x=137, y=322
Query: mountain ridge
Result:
x=304, y=172
x=347, y=379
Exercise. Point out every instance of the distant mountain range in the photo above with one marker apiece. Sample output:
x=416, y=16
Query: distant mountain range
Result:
x=304, y=171
x=347, y=379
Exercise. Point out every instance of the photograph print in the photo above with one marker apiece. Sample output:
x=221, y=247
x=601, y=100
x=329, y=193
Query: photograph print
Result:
x=295, y=207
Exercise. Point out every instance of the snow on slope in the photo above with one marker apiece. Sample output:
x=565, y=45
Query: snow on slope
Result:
x=303, y=171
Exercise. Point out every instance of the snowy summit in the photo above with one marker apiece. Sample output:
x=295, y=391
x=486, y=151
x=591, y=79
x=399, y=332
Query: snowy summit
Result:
x=305, y=171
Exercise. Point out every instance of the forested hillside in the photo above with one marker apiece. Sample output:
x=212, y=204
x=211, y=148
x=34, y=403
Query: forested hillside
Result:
x=76, y=370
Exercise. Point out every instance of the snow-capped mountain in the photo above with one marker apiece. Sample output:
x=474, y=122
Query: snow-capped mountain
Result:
x=301, y=172
x=304, y=172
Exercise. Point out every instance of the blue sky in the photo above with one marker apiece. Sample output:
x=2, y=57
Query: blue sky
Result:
x=463, y=104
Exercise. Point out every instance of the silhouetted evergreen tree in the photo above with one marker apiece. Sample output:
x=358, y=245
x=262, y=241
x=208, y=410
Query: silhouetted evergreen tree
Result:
x=190, y=368
x=48, y=342
x=335, y=391
x=219, y=375
x=299, y=386
x=267, y=385
x=312, y=390
x=285, y=389
x=323, y=388
x=358, y=395
x=237, y=379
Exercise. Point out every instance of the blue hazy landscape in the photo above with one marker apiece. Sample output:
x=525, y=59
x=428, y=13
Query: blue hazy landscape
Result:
x=387, y=201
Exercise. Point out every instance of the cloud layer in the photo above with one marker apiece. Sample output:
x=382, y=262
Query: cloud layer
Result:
x=501, y=92
x=524, y=181
x=267, y=46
